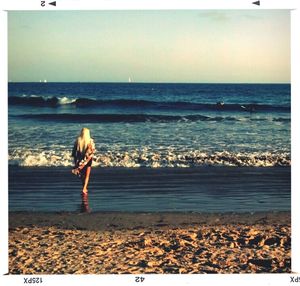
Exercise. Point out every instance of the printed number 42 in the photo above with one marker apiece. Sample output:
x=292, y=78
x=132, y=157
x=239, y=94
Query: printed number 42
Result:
x=139, y=279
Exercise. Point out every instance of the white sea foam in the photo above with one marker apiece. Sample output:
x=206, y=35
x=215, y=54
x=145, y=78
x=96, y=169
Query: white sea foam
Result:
x=30, y=96
x=152, y=158
x=61, y=100
x=66, y=100
x=35, y=159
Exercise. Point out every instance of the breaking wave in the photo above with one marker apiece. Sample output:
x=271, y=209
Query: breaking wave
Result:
x=40, y=101
x=152, y=159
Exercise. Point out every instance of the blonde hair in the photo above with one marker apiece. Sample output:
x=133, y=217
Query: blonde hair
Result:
x=83, y=140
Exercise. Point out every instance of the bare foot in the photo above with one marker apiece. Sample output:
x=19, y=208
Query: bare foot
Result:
x=85, y=191
x=75, y=171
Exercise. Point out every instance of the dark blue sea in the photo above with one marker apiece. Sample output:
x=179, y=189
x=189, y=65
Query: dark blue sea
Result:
x=159, y=147
x=151, y=125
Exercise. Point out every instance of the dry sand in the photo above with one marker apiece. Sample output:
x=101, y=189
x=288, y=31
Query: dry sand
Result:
x=149, y=243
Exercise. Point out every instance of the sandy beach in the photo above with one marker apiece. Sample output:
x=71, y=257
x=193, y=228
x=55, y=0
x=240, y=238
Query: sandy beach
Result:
x=118, y=243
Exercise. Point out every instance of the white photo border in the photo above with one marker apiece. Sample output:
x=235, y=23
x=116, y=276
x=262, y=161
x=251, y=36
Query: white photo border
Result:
x=230, y=279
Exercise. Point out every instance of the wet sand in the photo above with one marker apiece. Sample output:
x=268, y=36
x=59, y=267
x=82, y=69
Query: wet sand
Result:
x=111, y=243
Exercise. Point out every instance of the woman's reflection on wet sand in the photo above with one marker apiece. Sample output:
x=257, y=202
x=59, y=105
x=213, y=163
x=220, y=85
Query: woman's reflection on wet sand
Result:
x=85, y=203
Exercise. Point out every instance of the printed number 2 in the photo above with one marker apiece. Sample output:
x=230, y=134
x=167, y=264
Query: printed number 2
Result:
x=139, y=279
x=43, y=3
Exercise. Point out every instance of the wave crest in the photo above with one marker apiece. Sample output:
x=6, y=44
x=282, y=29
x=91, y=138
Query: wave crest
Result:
x=153, y=159
x=42, y=101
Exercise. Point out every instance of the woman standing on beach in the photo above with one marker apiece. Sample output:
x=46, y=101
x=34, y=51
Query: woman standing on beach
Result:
x=82, y=153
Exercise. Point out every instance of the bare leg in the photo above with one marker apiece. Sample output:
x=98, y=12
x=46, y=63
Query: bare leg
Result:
x=85, y=180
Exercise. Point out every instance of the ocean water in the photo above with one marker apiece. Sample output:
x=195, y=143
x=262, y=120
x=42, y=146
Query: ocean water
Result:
x=151, y=125
x=160, y=147
x=200, y=189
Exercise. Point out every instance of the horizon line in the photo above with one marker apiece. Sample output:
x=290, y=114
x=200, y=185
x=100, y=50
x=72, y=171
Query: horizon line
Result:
x=143, y=82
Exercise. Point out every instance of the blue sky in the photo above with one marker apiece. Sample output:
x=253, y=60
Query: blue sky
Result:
x=150, y=46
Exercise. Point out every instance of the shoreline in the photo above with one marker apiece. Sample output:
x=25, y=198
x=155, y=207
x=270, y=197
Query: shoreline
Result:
x=139, y=242
x=206, y=189
x=131, y=220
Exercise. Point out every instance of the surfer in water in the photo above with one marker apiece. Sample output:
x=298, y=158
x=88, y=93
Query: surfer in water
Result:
x=83, y=151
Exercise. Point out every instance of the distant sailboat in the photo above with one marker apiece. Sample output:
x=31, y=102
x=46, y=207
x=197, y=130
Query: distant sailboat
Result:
x=45, y=80
x=129, y=80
